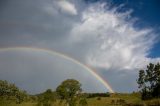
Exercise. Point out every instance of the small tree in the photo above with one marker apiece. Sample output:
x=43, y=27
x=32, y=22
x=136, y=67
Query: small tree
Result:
x=46, y=98
x=83, y=102
x=149, y=81
x=69, y=90
x=9, y=91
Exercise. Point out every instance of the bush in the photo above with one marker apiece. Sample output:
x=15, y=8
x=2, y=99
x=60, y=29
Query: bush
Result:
x=92, y=95
x=83, y=102
x=45, y=99
x=153, y=102
x=99, y=98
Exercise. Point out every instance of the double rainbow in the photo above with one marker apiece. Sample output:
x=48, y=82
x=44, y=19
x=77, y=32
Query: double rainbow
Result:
x=98, y=77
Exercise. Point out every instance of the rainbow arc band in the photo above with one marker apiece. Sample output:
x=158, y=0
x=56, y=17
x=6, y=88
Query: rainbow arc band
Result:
x=98, y=77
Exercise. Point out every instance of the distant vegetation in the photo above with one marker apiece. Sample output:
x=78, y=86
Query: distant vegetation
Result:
x=69, y=93
x=93, y=95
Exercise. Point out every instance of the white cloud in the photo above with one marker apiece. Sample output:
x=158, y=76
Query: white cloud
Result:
x=67, y=7
x=114, y=41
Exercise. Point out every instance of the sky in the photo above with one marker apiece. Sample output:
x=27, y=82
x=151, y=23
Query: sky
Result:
x=116, y=38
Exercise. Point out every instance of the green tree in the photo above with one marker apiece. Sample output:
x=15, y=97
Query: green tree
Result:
x=69, y=90
x=11, y=92
x=46, y=98
x=149, y=81
x=83, y=102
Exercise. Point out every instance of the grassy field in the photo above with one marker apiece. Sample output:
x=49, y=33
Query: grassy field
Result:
x=113, y=100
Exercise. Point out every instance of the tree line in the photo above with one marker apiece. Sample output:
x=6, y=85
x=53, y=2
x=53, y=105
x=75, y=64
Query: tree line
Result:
x=93, y=95
x=70, y=91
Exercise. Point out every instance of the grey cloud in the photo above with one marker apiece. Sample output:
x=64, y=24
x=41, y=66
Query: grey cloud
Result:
x=38, y=71
x=31, y=21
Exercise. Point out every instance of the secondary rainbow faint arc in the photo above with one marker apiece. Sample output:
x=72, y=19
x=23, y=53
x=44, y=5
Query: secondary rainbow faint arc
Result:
x=105, y=83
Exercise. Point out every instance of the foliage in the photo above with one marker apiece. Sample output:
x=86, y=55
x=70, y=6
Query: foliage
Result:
x=83, y=102
x=149, y=81
x=69, y=90
x=92, y=95
x=153, y=102
x=99, y=98
x=11, y=92
x=46, y=98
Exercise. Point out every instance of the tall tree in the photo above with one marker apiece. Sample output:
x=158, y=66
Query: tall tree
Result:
x=149, y=81
x=69, y=90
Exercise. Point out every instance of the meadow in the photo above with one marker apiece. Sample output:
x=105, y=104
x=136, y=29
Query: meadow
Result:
x=115, y=99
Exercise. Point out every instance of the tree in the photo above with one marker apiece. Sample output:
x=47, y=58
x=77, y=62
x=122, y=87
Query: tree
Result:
x=11, y=92
x=69, y=90
x=83, y=102
x=46, y=98
x=149, y=81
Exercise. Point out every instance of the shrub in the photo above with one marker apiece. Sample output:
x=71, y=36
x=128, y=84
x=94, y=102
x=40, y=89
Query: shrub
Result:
x=99, y=98
x=153, y=102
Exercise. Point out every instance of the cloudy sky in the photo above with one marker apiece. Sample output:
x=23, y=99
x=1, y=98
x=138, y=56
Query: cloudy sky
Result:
x=115, y=38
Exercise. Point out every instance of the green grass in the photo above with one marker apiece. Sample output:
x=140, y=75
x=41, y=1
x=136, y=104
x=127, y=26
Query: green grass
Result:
x=14, y=104
x=129, y=98
x=107, y=101
x=133, y=98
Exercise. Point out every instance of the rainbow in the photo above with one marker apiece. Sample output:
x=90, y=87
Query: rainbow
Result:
x=105, y=83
